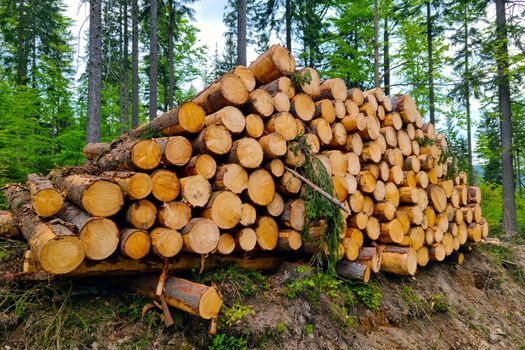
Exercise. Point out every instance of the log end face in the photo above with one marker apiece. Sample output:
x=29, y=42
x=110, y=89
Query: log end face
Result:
x=191, y=117
x=146, y=154
x=210, y=303
x=139, y=186
x=234, y=89
x=100, y=238
x=137, y=245
x=103, y=198
x=62, y=255
x=165, y=185
x=47, y=202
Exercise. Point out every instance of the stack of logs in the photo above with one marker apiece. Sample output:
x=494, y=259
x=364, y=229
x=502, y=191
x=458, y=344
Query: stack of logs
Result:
x=221, y=175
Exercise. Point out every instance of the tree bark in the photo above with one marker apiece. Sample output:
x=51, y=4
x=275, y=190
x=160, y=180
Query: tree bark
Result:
x=467, y=96
x=94, y=71
x=135, y=64
x=386, y=57
x=241, y=32
x=509, y=200
x=153, y=56
x=171, y=20
x=125, y=72
x=430, y=65
x=288, y=15
x=376, y=46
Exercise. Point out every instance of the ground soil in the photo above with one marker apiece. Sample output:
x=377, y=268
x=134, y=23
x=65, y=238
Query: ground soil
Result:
x=481, y=306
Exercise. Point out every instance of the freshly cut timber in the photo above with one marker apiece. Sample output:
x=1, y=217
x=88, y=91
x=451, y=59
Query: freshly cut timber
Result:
x=229, y=90
x=232, y=177
x=350, y=249
x=326, y=110
x=423, y=256
x=322, y=129
x=293, y=214
x=174, y=215
x=371, y=256
x=45, y=198
x=165, y=185
x=246, y=152
x=281, y=102
x=141, y=214
x=92, y=150
x=245, y=239
x=267, y=233
x=474, y=194
x=97, y=196
x=230, y=117
x=289, y=240
x=131, y=155
x=248, y=214
x=214, y=139
x=186, y=119
x=195, y=190
x=356, y=95
x=201, y=236
x=100, y=236
x=436, y=252
x=406, y=107
x=254, y=125
x=261, y=188
x=226, y=244
x=289, y=184
x=55, y=247
x=302, y=106
x=309, y=81
x=191, y=297
x=8, y=227
x=260, y=102
x=273, y=145
x=133, y=185
x=353, y=270
x=165, y=242
x=280, y=85
x=438, y=197
x=333, y=89
x=391, y=232
x=276, y=206
x=224, y=208
x=176, y=150
x=284, y=124
x=202, y=164
x=134, y=243
x=272, y=64
x=398, y=260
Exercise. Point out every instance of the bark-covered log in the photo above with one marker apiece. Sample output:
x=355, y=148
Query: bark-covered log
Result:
x=133, y=184
x=45, y=198
x=224, y=209
x=8, y=227
x=139, y=155
x=228, y=90
x=134, y=243
x=272, y=64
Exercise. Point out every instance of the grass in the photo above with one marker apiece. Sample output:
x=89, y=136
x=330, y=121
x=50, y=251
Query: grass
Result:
x=227, y=342
x=506, y=257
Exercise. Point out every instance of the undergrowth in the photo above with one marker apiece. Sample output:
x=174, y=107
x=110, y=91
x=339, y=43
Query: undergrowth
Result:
x=416, y=306
x=507, y=258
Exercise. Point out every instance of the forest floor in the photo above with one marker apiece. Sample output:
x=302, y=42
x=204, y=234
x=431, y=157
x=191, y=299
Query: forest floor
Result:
x=478, y=305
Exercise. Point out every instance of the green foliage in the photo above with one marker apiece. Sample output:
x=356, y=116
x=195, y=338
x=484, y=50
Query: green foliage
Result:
x=299, y=78
x=308, y=328
x=368, y=294
x=227, y=342
x=439, y=303
x=507, y=257
x=491, y=205
x=236, y=312
x=280, y=328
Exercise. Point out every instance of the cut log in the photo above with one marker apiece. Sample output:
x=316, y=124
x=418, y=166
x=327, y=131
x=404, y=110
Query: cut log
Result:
x=226, y=244
x=260, y=102
x=325, y=109
x=373, y=228
x=403, y=262
x=281, y=102
x=267, y=233
x=338, y=162
x=422, y=179
x=261, y=188
x=309, y=81
x=284, y=124
x=214, y=139
x=390, y=135
x=276, y=206
x=474, y=194
x=408, y=195
x=370, y=256
x=248, y=215
x=406, y=107
x=356, y=201
x=246, y=76
x=339, y=135
x=417, y=237
x=140, y=155
x=358, y=221
x=414, y=213
x=275, y=167
x=353, y=270
x=372, y=130
x=247, y=152
x=230, y=117
x=394, y=120
x=191, y=297
x=368, y=205
x=140, y=214
x=392, y=193
x=354, y=123
x=385, y=211
x=404, y=143
x=45, y=198
x=312, y=142
x=99, y=236
x=92, y=150
x=366, y=181
x=165, y=185
x=232, y=177
x=333, y=89
x=176, y=150
x=188, y=118
x=340, y=186
x=202, y=164
x=254, y=125
x=273, y=145
x=165, y=242
x=355, y=235
x=200, y=236
x=245, y=239
x=8, y=227
x=379, y=191
x=394, y=157
x=134, y=243
x=436, y=252
x=174, y=215
x=475, y=232
x=224, y=209
x=272, y=64
x=409, y=179
x=438, y=197
x=356, y=95
x=289, y=240
x=280, y=85
x=133, y=185
x=423, y=256
x=95, y=195
x=293, y=214
x=371, y=152
x=229, y=90
x=195, y=190
x=404, y=219
x=302, y=106
x=391, y=232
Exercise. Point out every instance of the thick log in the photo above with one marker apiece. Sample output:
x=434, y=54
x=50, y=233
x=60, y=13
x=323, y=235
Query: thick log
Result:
x=373, y=228
x=200, y=236
x=133, y=185
x=191, y=297
x=370, y=256
x=354, y=122
x=188, y=118
x=247, y=152
x=355, y=235
x=246, y=76
x=293, y=214
x=356, y=95
x=254, y=126
x=165, y=242
x=393, y=119
x=436, y=252
x=406, y=107
x=272, y=64
x=276, y=206
x=92, y=150
x=423, y=256
x=358, y=221
x=261, y=188
x=260, y=102
x=438, y=197
x=248, y=214
x=8, y=227
x=224, y=209
x=398, y=260
x=226, y=244
x=165, y=185
x=371, y=152
x=267, y=233
x=195, y=190
x=139, y=155
x=97, y=196
x=310, y=82
x=325, y=109
x=280, y=85
x=174, y=215
x=273, y=145
x=202, y=164
x=289, y=240
x=385, y=211
x=284, y=124
x=391, y=232
x=214, y=140
x=45, y=198
x=134, y=243
x=245, y=239
x=353, y=270
x=392, y=193
x=333, y=89
x=414, y=212
x=474, y=194
x=409, y=195
x=141, y=214
x=232, y=177
x=176, y=150
x=229, y=90
x=356, y=201
x=302, y=106
x=230, y=117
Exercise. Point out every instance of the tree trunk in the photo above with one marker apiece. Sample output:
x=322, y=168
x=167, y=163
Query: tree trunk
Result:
x=430, y=65
x=45, y=198
x=241, y=32
x=376, y=46
x=509, y=200
x=125, y=73
x=467, y=97
x=171, y=69
x=288, y=15
x=153, y=56
x=386, y=57
x=94, y=71
x=135, y=64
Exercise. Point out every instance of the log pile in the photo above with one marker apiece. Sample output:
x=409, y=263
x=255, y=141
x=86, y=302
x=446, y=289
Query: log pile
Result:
x=223, y=175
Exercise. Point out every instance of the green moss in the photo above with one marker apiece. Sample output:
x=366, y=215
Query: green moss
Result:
x=308, y=328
